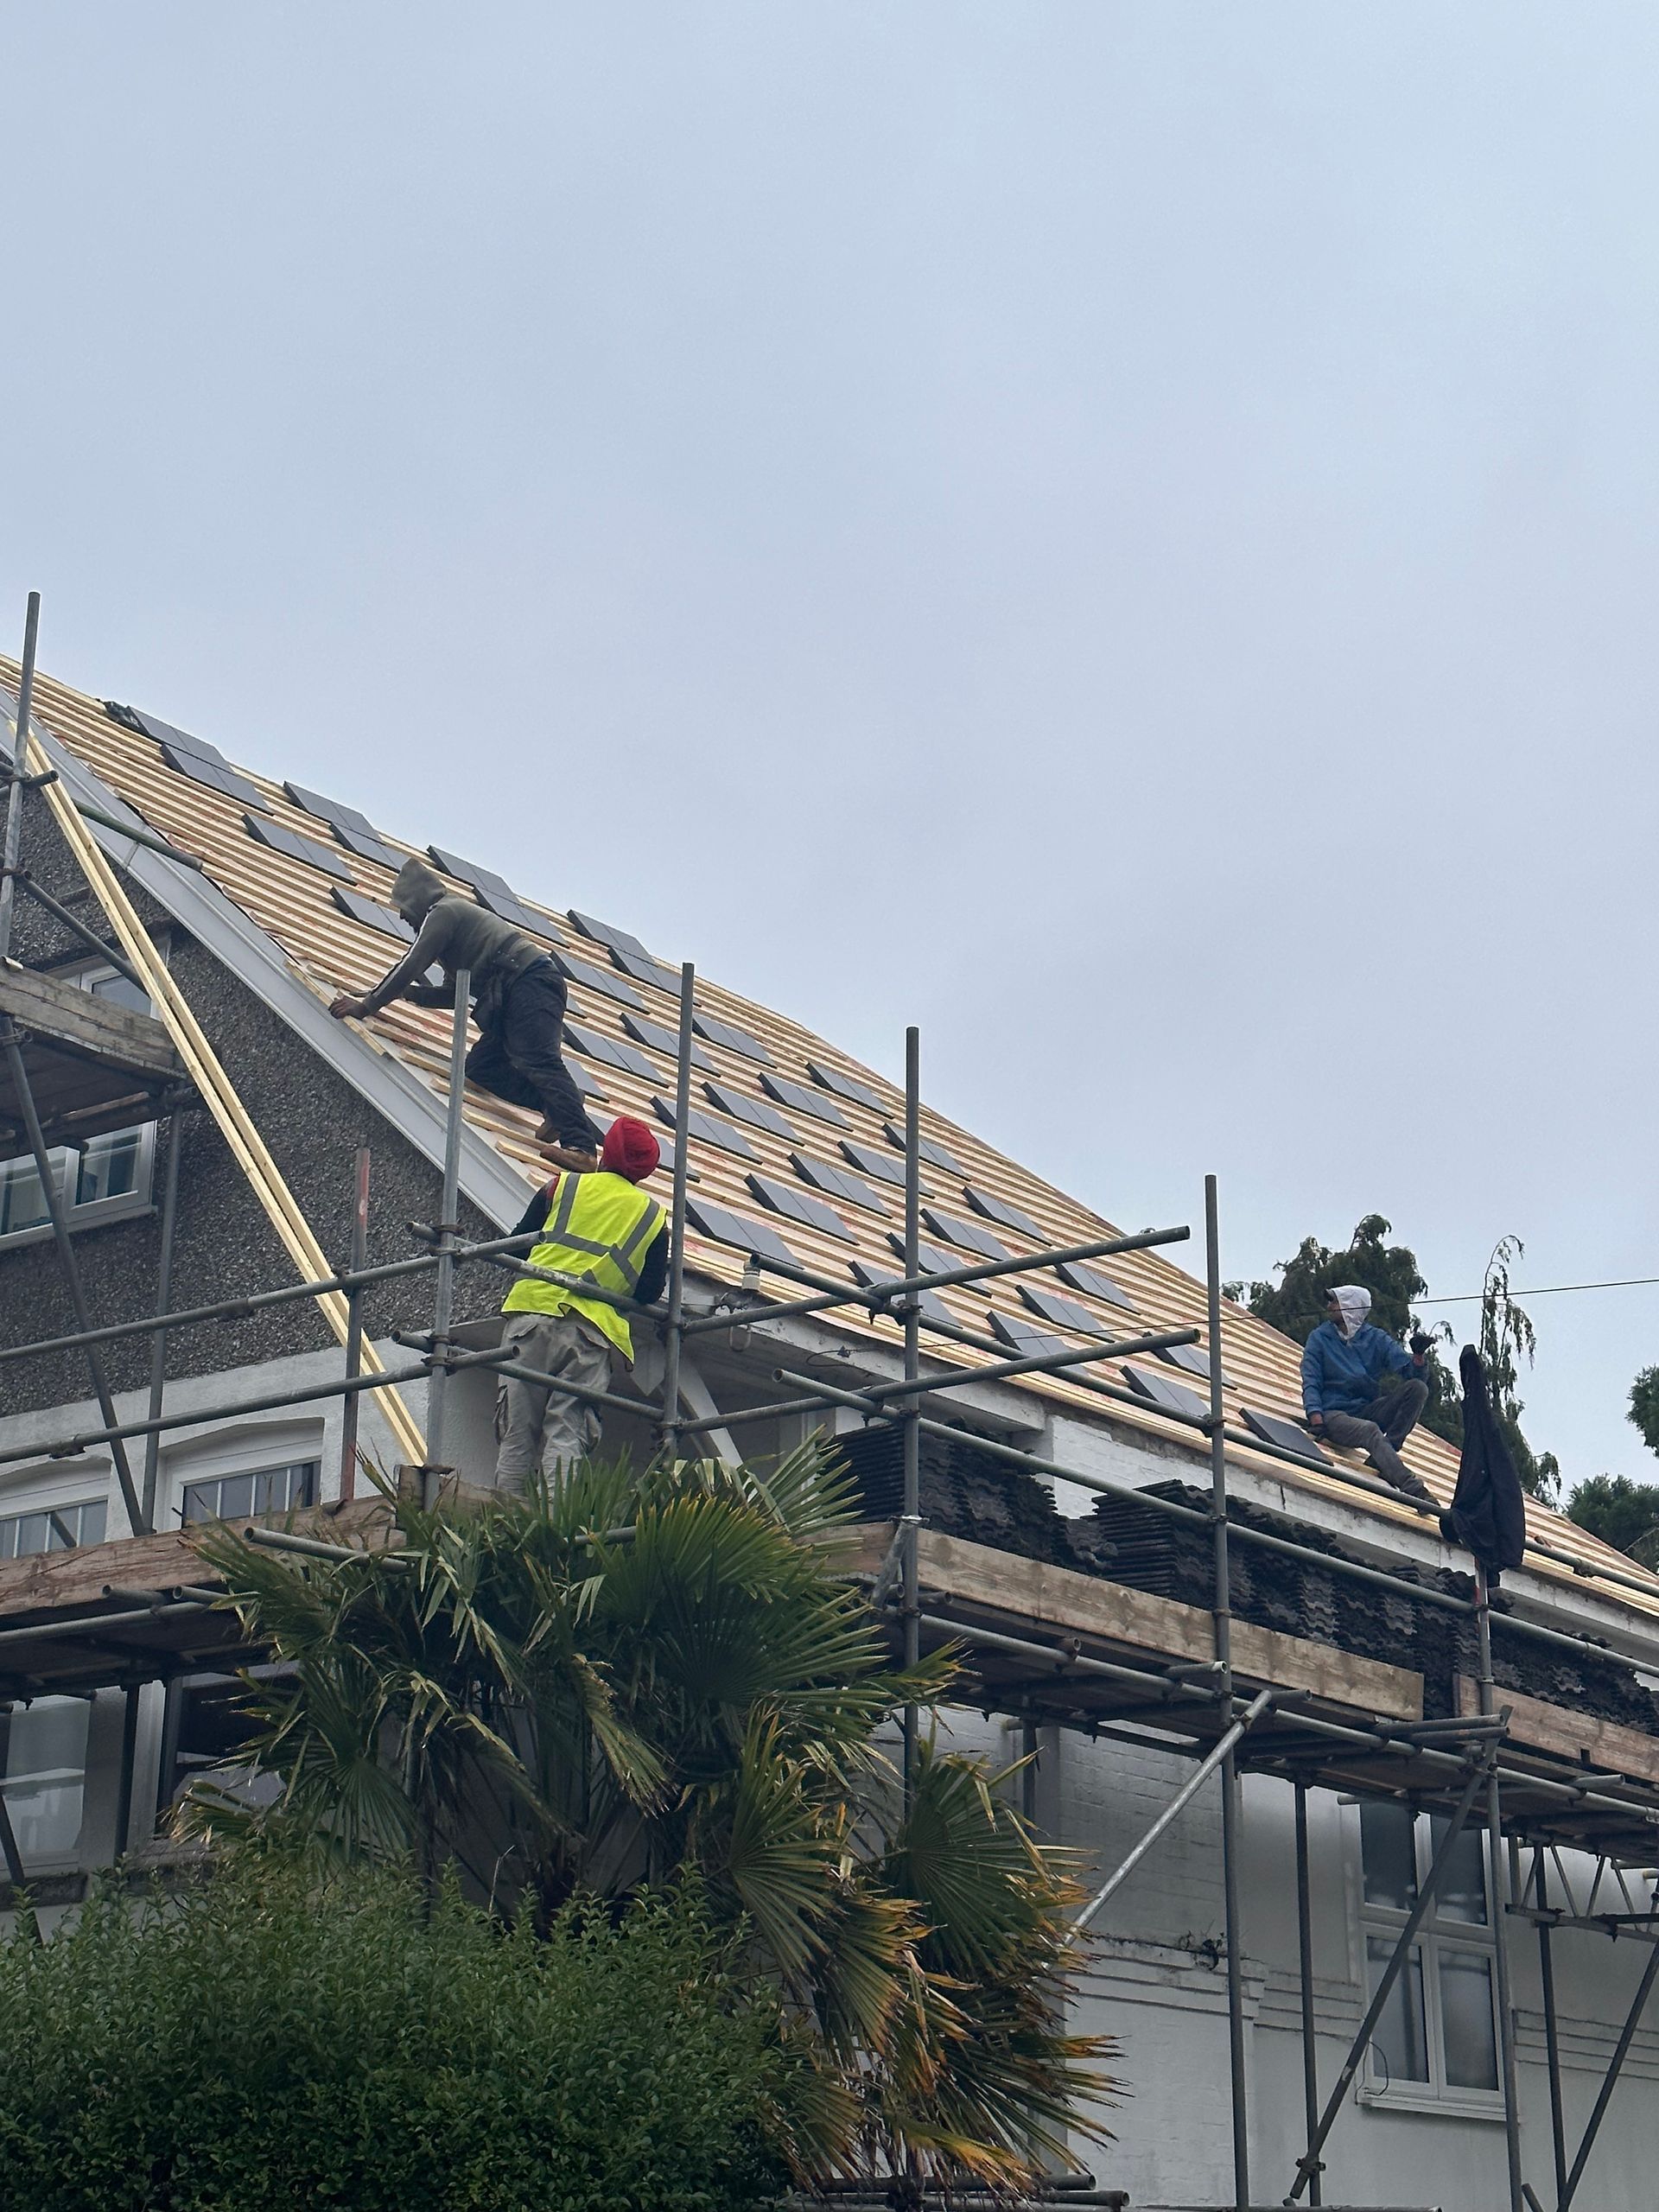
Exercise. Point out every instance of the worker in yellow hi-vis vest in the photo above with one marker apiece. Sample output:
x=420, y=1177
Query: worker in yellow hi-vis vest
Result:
x=604, y=1226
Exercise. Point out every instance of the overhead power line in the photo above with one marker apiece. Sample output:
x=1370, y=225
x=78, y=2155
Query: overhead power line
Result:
x=1545, y=1290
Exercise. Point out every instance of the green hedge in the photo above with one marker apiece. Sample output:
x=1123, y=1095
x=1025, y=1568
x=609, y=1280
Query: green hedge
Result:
x=270, y=2042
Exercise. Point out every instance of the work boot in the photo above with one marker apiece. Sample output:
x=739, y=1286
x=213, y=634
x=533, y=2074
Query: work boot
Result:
x=567, y=1155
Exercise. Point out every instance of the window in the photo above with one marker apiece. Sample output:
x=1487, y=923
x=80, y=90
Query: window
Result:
x=45, y=1775
x=107, y=1178
x=269, y=1490
x=52, y=1528
x=1437, y=2040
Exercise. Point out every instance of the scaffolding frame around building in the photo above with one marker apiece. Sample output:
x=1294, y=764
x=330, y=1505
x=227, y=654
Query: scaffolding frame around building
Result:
x=1228, y=1725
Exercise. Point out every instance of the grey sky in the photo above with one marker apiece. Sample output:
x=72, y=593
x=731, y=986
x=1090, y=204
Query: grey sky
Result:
x=1125, y=534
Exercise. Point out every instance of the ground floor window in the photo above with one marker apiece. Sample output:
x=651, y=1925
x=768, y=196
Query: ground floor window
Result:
x=266, y=1490
x=45, y=1775
x=1437, y=2036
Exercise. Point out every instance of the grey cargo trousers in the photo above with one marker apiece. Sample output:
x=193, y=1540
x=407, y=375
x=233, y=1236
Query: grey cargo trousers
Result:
x=538, y=1429
x=1380, y=1430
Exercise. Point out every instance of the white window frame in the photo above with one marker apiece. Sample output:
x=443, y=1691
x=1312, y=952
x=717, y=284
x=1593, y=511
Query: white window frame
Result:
x=1437, y=1935
x=10, y=1515
x=89, y=1213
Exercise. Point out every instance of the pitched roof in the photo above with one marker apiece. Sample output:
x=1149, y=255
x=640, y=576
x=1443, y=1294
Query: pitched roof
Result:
x=314, y=878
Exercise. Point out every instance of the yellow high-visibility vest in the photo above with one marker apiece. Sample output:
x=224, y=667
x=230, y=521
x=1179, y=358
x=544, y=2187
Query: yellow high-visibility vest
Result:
x=600, y=1226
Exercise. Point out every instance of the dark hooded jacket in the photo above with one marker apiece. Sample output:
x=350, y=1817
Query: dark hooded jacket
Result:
x=1488, y=1513
x=452, y=933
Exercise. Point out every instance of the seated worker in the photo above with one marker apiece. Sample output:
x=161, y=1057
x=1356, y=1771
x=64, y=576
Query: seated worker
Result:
x=518, y=1000
x=1343, y=1366
x=602, y=1225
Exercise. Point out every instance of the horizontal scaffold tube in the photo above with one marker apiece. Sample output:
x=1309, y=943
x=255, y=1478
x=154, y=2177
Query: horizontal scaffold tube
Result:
x=954, y=1378
x=69, y=1447
x=885, y=1292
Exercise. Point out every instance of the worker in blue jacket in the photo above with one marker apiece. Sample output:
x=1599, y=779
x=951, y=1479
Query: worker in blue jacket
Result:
x=1343, y=1366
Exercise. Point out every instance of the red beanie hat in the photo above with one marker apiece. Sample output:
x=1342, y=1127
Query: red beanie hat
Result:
x=630, y=1149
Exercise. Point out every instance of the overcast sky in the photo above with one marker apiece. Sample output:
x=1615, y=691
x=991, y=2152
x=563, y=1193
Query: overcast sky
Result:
x=1125, y=534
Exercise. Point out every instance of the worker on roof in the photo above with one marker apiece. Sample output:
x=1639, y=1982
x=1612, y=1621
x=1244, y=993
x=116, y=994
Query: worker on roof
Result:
x=518, y=1000
x=603, y=1226
x=1343, y=1366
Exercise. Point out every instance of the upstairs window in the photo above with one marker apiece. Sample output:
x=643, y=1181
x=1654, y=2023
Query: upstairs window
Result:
x=108, y=1177
x=1437, y=2040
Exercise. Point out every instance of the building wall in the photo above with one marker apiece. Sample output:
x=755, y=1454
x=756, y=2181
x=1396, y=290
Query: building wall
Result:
x=312, y=1122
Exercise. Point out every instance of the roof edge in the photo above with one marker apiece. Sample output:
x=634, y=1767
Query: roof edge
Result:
x=197, y=904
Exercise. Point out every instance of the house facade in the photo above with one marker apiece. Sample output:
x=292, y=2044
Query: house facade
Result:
x=1062, y=1507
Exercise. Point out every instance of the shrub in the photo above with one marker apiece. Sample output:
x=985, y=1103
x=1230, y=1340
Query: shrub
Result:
x=272, y=2040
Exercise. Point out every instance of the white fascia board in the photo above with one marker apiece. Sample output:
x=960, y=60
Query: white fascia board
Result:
x=199, y=906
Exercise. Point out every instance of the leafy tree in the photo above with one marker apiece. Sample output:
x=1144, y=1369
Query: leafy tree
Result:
x=1621, y=1513
x=665, y=1677
x=1295, y=1305
x=287, y=2038
x=1644, y=1406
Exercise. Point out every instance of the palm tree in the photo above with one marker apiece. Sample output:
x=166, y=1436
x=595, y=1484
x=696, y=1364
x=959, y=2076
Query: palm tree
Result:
x=660, y=1677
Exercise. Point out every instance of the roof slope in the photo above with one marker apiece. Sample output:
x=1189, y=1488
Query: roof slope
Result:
x=776, y=1096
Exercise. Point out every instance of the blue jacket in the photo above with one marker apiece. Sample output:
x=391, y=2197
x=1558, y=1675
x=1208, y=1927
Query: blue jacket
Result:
x=1342, y=1375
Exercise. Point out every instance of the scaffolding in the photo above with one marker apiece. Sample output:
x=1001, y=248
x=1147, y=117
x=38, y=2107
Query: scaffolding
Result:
x=1224, y=1711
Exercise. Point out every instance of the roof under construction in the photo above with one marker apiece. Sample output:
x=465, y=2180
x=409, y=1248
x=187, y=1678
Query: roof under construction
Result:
x=800, y=1147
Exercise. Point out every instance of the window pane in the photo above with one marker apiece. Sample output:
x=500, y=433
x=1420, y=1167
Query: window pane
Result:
x=235, y=1497
x=1466, y=2019
x=117, y=989
x=21, y=1203
x=201, y=1501
x=1462, y=1894
x=1399, y=2047
x=1391, y=1861
x=34, y=1534
x=109, y=1167
x=45, y=1762
x=94, y=1519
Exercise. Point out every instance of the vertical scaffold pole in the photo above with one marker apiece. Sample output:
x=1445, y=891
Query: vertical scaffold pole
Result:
x=910, y=1549
x=672, y=1336
x=128, y=1765
x=1552, y=2028
x=13, y=845
x=1305, y=1954
x=359, y=1260
x=443, y=1293
x=163, y=1301
x=1224, y=1625
x=1495, y=1886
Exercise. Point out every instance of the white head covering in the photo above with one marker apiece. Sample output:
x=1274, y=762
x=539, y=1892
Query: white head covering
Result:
x=1353, y=1308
